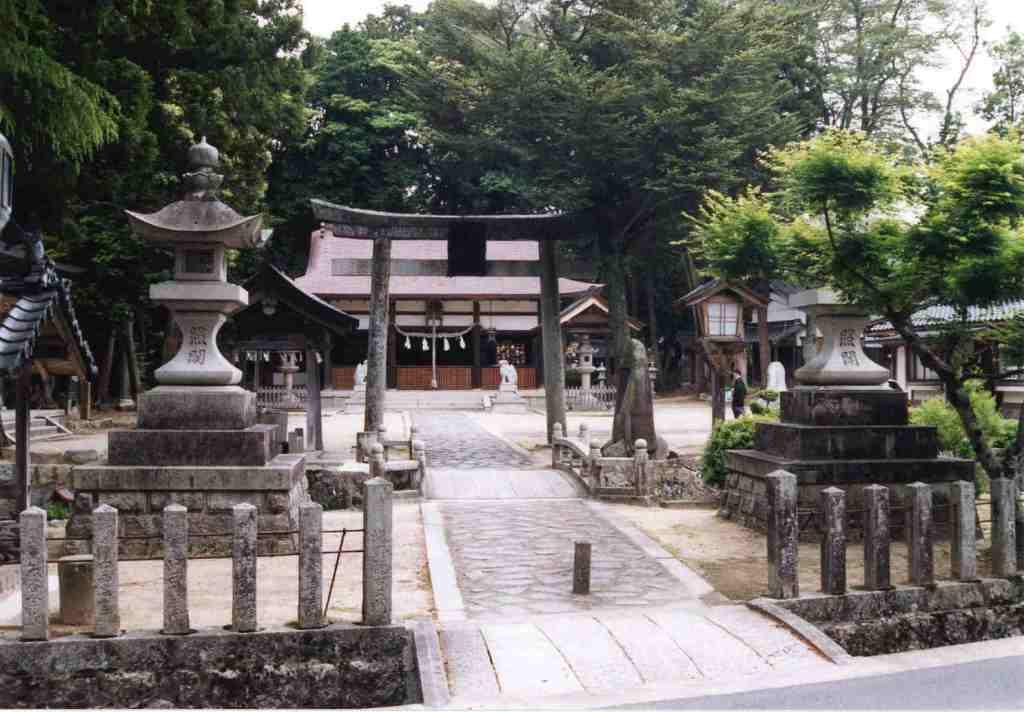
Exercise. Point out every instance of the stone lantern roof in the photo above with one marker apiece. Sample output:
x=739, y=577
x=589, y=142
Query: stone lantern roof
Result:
x=200, y=216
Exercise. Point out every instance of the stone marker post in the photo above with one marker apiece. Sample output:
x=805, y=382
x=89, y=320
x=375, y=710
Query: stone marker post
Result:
x=556, y=451
x=832, y=505
x=643, y=487
x=377, y=552
x=919, y=534
x=377, y=460
x=176, y=620
x=1004, y=540
x=595, y=464
x=35, y=589
x=783, y=535
x=243, y=569
x=419, y=454
x=876, y=538
x=104, y=551
x=964, y=544
x=311, y=589
x=581, y=568
x=77, y=584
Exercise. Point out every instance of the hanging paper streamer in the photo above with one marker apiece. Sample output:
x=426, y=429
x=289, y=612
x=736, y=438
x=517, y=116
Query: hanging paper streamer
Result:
x=446, y=344
x=425, y=347
x=408, y=343
x=462, y=343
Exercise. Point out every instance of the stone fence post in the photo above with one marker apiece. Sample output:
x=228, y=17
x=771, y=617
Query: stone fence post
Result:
x=414, y=435
x=964, y=544
x=783, y=535
x=876, y=538
x=419, y=454
x=1004, y=539
x=832, y=504
x=919, y=534
x=377, y=461
x=377, y=551
x=176, y=619
x=35, y=588
x=594, y=462
x=243, y=569
x=585, y=435
x=556, y=450
x=105, y=571
x=640, y=468
x=311, y=588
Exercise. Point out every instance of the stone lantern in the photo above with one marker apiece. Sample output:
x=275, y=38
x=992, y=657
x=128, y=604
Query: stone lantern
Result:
x=586, y=367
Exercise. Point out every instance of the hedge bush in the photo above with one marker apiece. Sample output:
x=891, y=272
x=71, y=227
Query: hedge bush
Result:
x=729, y=435
x=938, y=413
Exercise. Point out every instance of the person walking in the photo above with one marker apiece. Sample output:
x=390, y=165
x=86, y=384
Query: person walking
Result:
x=739, y=394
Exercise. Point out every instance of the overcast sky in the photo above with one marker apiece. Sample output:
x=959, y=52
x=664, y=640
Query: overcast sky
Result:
x=322, y=17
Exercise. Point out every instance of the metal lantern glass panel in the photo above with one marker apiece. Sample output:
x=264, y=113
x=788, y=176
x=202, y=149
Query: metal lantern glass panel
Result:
x=723, y=317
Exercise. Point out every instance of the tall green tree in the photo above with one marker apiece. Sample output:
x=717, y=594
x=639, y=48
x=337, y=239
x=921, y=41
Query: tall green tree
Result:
x=891, y=238
x=1004, y=105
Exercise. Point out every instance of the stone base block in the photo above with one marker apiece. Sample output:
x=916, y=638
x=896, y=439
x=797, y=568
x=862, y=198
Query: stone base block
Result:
x=841, y=442
x=253, y=446
x=197, y=408
x=140, y=493
x=844, y=405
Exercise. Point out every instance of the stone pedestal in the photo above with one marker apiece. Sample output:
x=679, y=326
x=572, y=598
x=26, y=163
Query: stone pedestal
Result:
x=846, y=431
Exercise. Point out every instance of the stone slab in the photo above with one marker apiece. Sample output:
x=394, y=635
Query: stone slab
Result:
x=196, y=408
x=526, y=662
x=808, y=442
x=252, y=447
x=715, y=653
x=844, y=406
x=653, y=651
x=598, y=661
x=469, y=663
x=276, y=475
x=841, y=473
x=775, y=643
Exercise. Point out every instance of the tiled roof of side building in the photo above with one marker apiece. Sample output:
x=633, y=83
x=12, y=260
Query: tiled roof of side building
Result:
x=936, y=315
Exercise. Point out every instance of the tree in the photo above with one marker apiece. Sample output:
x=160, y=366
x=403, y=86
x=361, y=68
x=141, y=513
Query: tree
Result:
x=1004, y=106
x=892, y=239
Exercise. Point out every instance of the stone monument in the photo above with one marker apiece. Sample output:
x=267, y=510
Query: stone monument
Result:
x=634, y=412
x=197, y=441
x=842, y=426
x=777, y=377
x=508, y=399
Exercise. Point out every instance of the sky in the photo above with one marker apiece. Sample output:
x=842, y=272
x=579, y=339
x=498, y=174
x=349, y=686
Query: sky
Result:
x=322, y=17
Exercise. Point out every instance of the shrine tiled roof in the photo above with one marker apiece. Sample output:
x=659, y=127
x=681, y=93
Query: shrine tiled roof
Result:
x=938, y=315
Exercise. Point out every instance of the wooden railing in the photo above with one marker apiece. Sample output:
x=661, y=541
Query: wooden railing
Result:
x=595, y=398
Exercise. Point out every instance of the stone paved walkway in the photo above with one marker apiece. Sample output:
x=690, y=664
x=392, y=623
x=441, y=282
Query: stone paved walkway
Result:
x=455, y=441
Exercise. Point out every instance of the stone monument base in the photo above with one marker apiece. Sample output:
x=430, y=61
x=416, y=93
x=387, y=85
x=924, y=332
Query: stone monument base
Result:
x=197, y=408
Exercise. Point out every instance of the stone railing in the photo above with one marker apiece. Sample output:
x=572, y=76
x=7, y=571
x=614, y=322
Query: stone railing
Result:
x=403, y=462
x=783, y=535
x=593, y=398
x=90, y=583
x=281, y=397
x=618, y=478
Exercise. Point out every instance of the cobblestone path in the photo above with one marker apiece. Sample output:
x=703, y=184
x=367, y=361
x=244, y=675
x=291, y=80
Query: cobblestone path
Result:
x=515, y=559
x=455, y=441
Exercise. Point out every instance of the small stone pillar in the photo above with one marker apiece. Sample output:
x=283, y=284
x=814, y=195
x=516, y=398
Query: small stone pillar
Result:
x=414, y=435
x=377, y=551
x=296, y=441
x=556, y=451
x=643, y=485
x=377, y=461
x=876, y=538
x=364, y=445
x=382, y=435
x=243, y=569
x=77, y=583
x=35, y=588
x=1004, y=539
x=585, y=435
x=311, y=593
x=419, y=454
x=832, y=504
x=581, y=568
x=595, y=463
x=104, y=551
x=783, y=535
x=176, y=621
x=919, y=534
x=964, y=544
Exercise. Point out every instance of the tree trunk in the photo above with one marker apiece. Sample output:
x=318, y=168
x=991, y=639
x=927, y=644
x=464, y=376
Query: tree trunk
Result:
x=314, y=409
x=717, y=399
x=616, y=289
x=130, y=354
x=765, y=344
x=551, y=329
x=376, y=357
x=652, y=326
x=22, y=436
x=106, y=369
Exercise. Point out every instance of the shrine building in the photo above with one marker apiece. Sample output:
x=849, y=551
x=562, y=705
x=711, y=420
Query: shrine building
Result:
x=457, y=307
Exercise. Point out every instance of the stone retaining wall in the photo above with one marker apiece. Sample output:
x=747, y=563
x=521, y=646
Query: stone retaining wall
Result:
x=341, y=666
x=915, y=617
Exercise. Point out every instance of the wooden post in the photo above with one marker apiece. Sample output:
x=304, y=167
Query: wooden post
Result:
x=84, y=398
x=22, y=428
x=314, y=409
x=328, y=378
x=393, y=340
x=554, y=363
x=133, y=362
x=376, y=357
x=106, y=369
x=477, y=378
x=765, y=344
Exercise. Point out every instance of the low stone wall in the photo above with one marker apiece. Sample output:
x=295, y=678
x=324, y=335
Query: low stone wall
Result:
x=916, y=617
x=341, y=666
x=336, y=488
x=209, y=493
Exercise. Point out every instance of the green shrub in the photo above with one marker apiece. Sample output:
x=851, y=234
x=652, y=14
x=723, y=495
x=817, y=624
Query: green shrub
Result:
x=729, y=435
x=57, y=510
x=938, y=413
x=757, y=408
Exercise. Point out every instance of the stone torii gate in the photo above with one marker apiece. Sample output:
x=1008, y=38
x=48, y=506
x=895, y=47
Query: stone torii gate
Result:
x=383, y=227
